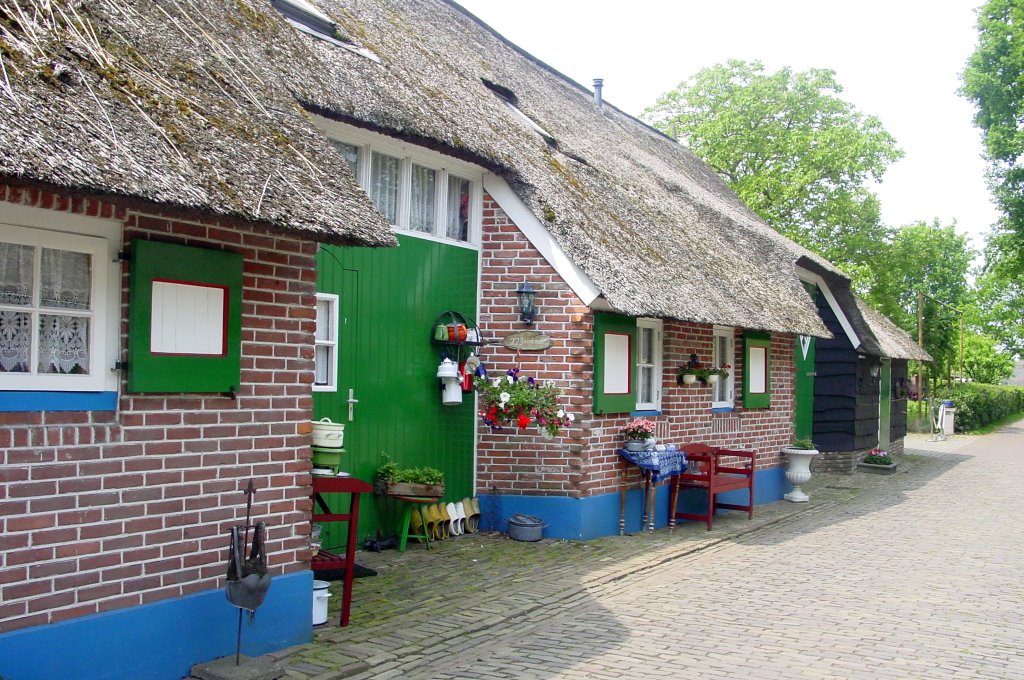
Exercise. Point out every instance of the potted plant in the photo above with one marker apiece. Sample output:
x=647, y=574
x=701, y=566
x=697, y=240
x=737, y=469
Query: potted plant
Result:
x=688, y=375
x=717, y=373
x=392, y=480
x=798, y=469
x=639, y=434
x=516, y=401
x=879, y=462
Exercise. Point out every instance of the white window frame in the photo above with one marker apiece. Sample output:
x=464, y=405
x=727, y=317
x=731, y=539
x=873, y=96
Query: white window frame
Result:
x=99, y=238
x=728, y=384
x=654, y=326
x=331, y=343
x=368, y=143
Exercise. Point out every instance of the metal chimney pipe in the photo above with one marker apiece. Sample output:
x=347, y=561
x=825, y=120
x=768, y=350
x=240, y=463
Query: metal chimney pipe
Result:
x=598, y=101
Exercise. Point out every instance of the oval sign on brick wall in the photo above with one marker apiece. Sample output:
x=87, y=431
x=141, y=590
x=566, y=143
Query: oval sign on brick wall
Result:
x=528, y=341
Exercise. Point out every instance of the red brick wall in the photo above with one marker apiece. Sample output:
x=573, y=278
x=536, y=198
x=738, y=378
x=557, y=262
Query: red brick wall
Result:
x=584, y=461
x=102, y=510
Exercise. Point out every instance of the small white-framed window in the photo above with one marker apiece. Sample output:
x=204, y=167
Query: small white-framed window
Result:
x=458, y=208
x=648, y=364
x=326, y=352
x=723, y=355
x=423, y=201
x=57, y=291
x=385, y=174
x=350, y=152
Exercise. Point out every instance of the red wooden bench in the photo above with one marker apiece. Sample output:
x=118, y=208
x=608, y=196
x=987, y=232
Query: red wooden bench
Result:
x=715, y=476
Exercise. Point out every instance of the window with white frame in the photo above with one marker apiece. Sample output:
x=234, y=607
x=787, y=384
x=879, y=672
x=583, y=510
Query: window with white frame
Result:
x=648, y=364
x=723, y=355
x=417, y=190
x=326, y=352
x=57, y=302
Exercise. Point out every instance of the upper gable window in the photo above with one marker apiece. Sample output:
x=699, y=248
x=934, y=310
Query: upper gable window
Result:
x=417, y=190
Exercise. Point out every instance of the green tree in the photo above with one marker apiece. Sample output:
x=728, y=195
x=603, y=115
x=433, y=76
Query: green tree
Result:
x=933, y=260
x=984, y=362
x=994, y=82
x=997, y=308
x=794, y=152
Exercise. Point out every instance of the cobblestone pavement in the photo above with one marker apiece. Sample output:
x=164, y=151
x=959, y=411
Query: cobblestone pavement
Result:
x=914, y=575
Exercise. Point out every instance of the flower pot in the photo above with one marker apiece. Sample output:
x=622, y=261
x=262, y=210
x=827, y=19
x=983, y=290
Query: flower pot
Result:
x=410, y=489
x=798, y=471
x=874, y=469
x=689, y=378
x=713, y=378
x=635, y=445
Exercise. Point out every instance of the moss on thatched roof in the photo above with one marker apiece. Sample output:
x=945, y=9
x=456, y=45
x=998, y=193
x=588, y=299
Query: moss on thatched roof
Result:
x=180, y=104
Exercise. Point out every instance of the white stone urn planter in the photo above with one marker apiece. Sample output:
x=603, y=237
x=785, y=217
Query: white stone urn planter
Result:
x=798, y=472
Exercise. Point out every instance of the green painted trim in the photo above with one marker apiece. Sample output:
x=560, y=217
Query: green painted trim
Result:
x=148, y=372
x=605, y=324
x=803, y=414
x=757, y=339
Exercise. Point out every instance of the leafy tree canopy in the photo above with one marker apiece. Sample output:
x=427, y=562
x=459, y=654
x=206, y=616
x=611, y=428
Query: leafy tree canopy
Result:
x=933, y=260
x=994, y=82
x=793, y=151
x=984, y=362
x=997, y=308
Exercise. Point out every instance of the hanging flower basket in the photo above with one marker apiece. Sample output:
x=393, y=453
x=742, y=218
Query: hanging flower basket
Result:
x=520, y=402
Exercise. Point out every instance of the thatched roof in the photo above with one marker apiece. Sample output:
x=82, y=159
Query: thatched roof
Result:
x=893, y=341
x=193, y=103
x=647, y=221
x=178, y=104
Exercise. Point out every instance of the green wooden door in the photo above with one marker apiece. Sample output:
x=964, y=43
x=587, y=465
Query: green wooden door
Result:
x=803, y=419
x=884, y=403
x=388, y=301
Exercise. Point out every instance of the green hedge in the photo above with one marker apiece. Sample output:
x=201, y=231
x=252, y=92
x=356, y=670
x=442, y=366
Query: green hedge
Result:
x=977, y=405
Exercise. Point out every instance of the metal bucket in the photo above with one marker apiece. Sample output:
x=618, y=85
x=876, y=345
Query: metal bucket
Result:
x=320, y=599
x=525, y=528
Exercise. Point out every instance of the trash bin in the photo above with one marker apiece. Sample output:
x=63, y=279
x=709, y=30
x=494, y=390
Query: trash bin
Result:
x=320, y=597
x=948, y=417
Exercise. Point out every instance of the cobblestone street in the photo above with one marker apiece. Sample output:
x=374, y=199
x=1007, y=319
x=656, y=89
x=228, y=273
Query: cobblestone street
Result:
x=917, y=575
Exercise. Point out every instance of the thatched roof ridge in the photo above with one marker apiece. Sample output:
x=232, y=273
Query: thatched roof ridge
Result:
x=648, y=222
x=893, y=341
x=180, y=104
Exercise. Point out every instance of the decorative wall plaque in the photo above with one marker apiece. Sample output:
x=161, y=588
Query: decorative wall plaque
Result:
x=527, y=341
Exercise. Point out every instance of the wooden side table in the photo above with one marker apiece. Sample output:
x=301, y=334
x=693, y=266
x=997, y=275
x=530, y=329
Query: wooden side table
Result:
x=328, y=560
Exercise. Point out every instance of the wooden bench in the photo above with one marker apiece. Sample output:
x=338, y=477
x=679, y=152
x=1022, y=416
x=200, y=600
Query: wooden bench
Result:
x=708, y=471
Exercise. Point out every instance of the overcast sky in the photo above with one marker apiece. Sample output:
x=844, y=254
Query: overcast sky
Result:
x=899, y=60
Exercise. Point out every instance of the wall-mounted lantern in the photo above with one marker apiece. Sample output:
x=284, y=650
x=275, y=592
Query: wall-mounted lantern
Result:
x=526, y=295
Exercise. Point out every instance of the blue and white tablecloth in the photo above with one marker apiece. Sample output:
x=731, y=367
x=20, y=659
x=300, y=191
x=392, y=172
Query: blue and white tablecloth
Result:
x=662, y=464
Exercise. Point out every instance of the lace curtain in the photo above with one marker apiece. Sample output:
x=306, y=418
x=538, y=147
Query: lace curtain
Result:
x=65, y=279
x=424, y=198
x=15, y=341
x=65, y=282
x=384, y=185
x=63, y=344
x=458, y=208
x=16, y=274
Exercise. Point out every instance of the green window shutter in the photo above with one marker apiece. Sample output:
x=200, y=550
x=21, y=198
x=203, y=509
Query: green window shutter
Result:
x=184, y=319
x=757, y=370
x=614, y=363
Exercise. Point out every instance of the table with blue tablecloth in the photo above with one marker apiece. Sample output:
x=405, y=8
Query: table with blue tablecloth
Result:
x=654, y=466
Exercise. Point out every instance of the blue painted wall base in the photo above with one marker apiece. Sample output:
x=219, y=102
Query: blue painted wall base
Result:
x=162, y=640
x=596, y=516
